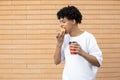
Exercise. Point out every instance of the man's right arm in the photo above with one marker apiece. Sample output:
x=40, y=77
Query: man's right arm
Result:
x=57, y=54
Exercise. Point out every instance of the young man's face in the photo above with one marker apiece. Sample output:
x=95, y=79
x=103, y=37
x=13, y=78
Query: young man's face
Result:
x=66, y=24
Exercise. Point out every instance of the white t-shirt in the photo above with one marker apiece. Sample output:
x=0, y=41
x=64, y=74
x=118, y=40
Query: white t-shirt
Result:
x=76, y=67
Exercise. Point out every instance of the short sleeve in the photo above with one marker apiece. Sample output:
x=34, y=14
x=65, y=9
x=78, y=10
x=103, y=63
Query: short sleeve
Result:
x=93, y=49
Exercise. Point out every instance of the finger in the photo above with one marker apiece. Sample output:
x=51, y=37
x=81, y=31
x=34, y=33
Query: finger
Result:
x=77, y=46
x=62, y=35
x=74, y=46
x=58, y=35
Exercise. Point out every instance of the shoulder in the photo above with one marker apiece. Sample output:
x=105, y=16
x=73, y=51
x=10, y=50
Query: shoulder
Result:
x=88, y=34
x=90, y=37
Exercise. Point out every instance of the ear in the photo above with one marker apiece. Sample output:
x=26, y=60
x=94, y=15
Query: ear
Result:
x=74, y=22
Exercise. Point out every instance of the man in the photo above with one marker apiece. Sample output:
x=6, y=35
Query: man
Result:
x=83, y=57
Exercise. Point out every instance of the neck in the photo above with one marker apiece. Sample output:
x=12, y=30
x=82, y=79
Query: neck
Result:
x=75, y=31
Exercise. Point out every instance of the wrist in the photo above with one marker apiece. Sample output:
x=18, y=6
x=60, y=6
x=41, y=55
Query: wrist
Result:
x=59, y=45
x=82, y=53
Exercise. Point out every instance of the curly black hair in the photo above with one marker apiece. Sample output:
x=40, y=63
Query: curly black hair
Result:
x=71, y=13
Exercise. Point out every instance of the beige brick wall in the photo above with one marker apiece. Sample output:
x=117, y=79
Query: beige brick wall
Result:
x=28, y=30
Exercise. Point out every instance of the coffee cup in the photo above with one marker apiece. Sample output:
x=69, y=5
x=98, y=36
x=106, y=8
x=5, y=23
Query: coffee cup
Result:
x=71, y=46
